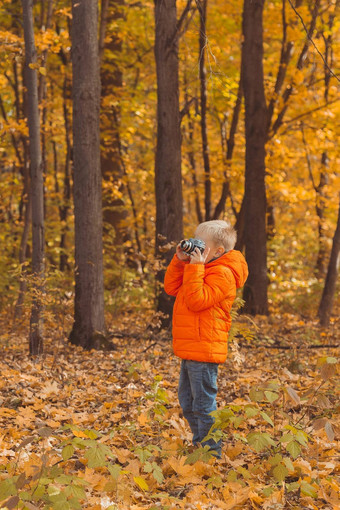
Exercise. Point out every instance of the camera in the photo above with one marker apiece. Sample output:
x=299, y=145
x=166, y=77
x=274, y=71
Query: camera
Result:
x=189, y=245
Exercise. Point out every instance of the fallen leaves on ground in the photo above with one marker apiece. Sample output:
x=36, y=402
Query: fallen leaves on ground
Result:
x=97, y=430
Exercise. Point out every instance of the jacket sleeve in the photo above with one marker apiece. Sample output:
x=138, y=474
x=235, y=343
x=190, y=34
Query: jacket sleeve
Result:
x=173, y=278
x=202, y=292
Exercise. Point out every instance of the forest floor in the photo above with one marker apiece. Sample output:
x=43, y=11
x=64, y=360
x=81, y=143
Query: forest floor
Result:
x=97, y=430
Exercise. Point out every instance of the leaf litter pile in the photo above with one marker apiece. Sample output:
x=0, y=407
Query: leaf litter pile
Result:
x=104, y=430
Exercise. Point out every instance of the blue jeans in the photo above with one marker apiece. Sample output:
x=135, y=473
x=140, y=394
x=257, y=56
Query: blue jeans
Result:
x=197, y=390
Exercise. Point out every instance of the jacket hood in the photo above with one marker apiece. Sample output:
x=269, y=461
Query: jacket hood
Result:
x=236, y=262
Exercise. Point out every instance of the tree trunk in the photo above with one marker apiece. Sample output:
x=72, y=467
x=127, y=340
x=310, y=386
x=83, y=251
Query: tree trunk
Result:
x=37, y=196
x=42, y=86
x=255, y=290
x=326, y=303
x=240, y=227
x=89, y=324
x=64, y=205
x=64, y=208
x=192, y=162
x=202, y=8
x=168, y=181
x=320, y=206
x=23, y=244
x=115, y=209
x=321, y=190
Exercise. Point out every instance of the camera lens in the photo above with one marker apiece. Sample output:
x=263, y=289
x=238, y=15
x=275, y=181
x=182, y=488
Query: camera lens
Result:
x=185, y=245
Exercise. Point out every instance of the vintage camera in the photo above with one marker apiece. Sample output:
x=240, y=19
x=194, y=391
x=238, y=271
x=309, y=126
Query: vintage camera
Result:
x=189, y=245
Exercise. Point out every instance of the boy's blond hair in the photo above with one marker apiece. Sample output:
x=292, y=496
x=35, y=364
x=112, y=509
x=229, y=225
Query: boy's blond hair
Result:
x=221, y=232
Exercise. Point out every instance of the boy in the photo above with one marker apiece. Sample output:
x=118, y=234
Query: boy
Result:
x=205, y=287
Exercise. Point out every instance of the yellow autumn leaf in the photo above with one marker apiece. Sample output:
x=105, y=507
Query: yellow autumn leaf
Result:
x=141, y=482
x=142, y=419
x=234, y=499
x=79, y=433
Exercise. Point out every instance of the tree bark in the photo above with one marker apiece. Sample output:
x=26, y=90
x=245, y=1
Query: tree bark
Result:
x=42, y=86
x=239, y=226
x=115, y=210
x=64, y=208
x=37, y=193
x=326, y=303
x=320, y=206
x=65, y=202
x=202, y=8
x=89, y=324
x=23, y=243
x=192, y=162
x=168, y=180
x=255, y=290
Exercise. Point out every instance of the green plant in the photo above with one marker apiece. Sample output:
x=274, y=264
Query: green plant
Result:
x=286, y=439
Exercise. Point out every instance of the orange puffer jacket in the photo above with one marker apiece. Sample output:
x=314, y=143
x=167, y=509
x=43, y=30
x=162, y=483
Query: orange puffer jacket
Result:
x=204, y=296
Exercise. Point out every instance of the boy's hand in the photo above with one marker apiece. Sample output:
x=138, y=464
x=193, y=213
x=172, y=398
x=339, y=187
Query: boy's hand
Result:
x=199, y=258
x=181, y=254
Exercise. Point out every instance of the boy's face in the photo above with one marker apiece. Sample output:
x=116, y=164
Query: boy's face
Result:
x=216, y=250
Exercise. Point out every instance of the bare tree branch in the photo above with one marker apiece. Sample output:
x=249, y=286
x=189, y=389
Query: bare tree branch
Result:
x=311, y=40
